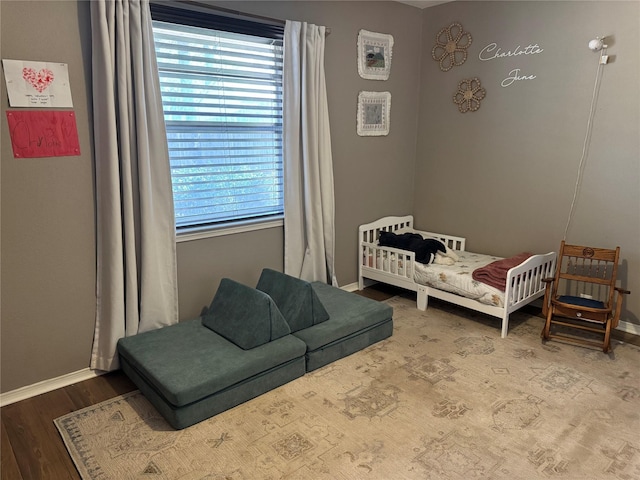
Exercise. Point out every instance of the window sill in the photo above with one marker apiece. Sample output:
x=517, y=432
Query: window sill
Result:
x=187, y=235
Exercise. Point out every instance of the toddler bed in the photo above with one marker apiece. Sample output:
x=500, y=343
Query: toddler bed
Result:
x=452, y=283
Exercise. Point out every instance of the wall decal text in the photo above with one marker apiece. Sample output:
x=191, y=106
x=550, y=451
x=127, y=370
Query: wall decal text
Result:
x=492, y=52
x=514, y=76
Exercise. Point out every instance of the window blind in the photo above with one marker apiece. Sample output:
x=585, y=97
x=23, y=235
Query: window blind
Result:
x=222, y=101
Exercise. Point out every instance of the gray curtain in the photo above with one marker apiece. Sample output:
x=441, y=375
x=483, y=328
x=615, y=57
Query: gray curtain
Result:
x=309, y=210
x=136, y=283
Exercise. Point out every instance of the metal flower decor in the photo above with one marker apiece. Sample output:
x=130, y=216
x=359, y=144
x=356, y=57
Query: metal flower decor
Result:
x=451, y=46
x=469, y=95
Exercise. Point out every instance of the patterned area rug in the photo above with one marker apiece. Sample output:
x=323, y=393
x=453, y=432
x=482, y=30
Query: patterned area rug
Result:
x=444, y=398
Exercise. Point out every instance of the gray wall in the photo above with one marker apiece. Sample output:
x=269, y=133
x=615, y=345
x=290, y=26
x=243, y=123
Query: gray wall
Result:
x=48, y=241
x=504, y=176
x=372, y=175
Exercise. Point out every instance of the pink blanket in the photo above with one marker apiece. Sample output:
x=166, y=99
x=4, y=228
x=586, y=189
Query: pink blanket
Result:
x=495, y=274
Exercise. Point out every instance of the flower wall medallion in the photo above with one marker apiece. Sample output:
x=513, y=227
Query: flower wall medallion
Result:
x=469, y=95
x=451, y=47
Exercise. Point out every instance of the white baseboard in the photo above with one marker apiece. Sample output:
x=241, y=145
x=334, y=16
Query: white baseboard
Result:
x=352, y=287
x=47, y=386
x=69, y=379
x=629, y=327
x=626, y=327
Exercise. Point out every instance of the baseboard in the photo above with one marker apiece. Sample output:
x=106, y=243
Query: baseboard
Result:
x=47, y=386
x=626, y=327
x=69, y=379
x=352, y=287
x=629, y=327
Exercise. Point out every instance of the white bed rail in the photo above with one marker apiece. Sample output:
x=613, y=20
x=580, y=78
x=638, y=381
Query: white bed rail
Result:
x=392, y=265
x=369, y=233
x=396, y=267
x=524, y=282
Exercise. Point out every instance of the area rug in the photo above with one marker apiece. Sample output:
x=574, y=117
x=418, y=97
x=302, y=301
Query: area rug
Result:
x=443, y=398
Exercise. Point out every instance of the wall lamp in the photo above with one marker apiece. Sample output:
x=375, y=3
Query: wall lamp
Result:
x=598, y=45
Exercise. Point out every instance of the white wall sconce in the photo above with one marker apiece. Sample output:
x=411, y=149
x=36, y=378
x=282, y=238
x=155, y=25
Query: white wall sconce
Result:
x=598, y=45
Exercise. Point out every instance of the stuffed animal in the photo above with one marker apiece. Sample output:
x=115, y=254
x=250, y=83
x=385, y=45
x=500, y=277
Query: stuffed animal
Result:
x=425, y=249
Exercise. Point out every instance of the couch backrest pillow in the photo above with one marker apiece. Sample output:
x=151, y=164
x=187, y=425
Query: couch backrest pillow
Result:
x=295, y=298
x=245, y=316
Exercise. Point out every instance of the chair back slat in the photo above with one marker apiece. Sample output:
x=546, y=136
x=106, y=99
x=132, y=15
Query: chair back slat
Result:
x=586, y=279
x=588, y=268
x=586, y=271
x=591, y=253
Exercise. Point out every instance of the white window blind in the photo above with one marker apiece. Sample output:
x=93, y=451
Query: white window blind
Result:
x=222, y=100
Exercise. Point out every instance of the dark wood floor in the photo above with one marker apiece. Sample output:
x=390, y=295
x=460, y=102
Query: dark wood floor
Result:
x=31, y=447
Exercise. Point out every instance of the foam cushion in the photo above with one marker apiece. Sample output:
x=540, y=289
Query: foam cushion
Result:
x=350, y=314
x=295, y=298
x=187, y=362
x=245, y=316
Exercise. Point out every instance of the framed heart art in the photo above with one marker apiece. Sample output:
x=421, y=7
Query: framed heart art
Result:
x=37, y=84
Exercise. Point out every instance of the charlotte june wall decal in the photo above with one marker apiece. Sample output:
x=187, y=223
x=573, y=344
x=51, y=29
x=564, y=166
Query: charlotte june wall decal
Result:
x=469, y=95
x=451, y=47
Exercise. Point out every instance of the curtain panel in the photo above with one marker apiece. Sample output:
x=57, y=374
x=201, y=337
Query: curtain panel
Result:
x=309, y=210
x=136, y=284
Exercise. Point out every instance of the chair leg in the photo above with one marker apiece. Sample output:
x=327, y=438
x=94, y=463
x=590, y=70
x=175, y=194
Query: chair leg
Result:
x=547, y=326
x=606, y=345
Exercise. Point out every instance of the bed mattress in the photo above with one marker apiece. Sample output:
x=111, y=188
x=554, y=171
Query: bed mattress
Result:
x=457, y=278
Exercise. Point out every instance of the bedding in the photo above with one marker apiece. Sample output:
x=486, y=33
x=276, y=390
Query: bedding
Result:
x=455, y=277
x=495, y=274
x=458, y=278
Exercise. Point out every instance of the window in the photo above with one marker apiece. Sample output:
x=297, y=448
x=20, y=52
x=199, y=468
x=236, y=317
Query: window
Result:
x=221, y=83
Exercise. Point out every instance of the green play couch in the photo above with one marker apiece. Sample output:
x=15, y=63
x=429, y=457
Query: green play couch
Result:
x=249, y=341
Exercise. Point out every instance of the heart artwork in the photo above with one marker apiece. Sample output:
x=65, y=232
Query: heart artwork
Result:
x=39, y=80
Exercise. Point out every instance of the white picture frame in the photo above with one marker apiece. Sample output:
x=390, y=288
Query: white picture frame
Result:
x=374, y=113
x=374, y=55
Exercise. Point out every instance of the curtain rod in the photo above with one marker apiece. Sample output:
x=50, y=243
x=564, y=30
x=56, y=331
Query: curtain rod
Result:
x=237, y=12
x=231, y=11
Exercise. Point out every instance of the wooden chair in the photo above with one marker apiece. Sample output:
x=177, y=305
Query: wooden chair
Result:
x=583, y=295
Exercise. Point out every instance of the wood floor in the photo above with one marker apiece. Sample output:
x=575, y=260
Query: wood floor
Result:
x=31, y=447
